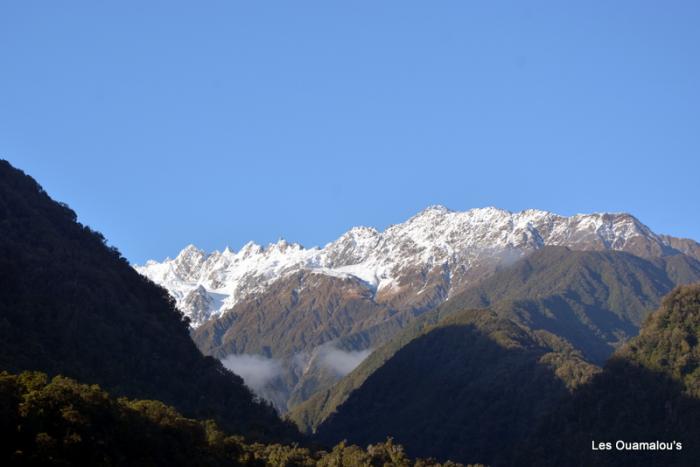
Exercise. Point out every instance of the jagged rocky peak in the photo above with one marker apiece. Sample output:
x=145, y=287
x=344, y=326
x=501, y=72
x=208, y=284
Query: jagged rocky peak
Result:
x=191, y=254
x=189, y=261
x=250, y=249
x=436, y=249
x=353, y=247
x=283, y=246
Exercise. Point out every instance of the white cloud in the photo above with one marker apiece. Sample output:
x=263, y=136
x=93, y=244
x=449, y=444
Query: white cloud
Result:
x=256, y=370
x=341, y=361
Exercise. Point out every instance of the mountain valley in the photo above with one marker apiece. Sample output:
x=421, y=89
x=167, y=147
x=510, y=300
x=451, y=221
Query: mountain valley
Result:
x=288, y=306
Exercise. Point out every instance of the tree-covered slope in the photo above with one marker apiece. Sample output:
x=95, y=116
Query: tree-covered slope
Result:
x=62, y=422
x=71, y=305
x=294, y=322
x=470, y=387
x=649, y=391
x=299, y=312
x=595, y=300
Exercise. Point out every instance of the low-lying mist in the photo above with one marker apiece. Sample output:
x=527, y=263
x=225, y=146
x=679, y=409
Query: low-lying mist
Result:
x=256, y=370
x=341, y=361
x=276, y=379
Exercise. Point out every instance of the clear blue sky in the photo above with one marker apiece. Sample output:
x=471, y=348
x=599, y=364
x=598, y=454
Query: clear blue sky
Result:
x=217, y=122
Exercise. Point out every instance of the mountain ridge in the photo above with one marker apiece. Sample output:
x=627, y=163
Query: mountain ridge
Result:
x=436, y=247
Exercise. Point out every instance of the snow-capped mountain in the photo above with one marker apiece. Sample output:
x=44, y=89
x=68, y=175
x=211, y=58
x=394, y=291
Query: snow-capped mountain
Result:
x=460, y=247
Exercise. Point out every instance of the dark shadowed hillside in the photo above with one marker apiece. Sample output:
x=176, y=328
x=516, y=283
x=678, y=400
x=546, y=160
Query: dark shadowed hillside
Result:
x=469, y=388
x=71, y=305
x=62, y=422
x=649, y=391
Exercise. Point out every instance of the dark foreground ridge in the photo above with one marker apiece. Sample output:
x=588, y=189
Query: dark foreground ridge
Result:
x=73, y=306
x=470, y=387
x=61, y=422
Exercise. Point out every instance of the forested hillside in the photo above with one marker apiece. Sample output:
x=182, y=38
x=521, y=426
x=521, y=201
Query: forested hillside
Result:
x=62, y=422
x=480, y=386
x=470, y=387
x=71, y=305
x=649, y=391
x=594, y=300
x=297, y=313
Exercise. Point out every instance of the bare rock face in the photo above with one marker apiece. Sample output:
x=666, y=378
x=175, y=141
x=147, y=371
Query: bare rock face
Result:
x=285, y=301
